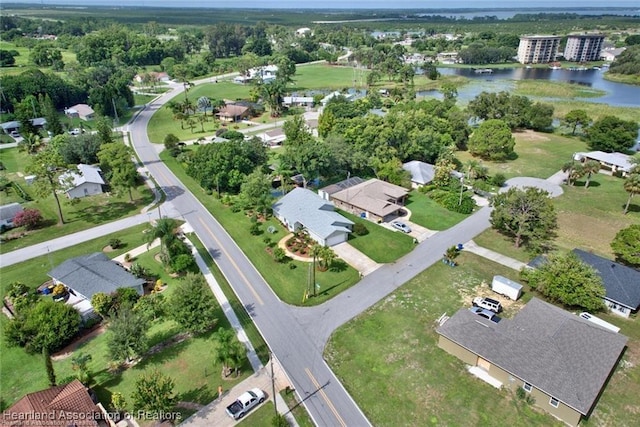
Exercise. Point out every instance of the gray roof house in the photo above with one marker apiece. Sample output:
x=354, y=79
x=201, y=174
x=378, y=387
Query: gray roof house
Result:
x=302, y=208
x=374, y=199
x=621, y=283
x=560, y=359
x=7, y=213
x=421, y=173
x=86, y=183
x=89, y=274
x=329, y=190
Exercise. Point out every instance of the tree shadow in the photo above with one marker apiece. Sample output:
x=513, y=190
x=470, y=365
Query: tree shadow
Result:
x=200, y=394
x=632, y=207
x=98, y=214
x=338, y=266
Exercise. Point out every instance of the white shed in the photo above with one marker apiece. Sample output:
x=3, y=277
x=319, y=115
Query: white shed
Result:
x=506, y=287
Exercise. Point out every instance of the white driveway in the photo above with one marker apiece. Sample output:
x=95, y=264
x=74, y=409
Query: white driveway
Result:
x=355, y=258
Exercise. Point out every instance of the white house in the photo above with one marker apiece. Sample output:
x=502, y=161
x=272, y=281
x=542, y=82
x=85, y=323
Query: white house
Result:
x=421, y=173
x=302, y=208
x=7, y=213
x=86, y=183
x=81, y=111
x=612, y=162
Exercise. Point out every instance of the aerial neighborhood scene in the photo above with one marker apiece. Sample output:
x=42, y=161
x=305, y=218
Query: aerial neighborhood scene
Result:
x=343, y=214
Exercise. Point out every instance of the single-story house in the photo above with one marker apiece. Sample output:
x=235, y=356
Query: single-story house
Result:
x=326, y=99
x=303, y=209
x=611, y=54
x=303, y=31
x=7, y=213
x=374, y=199
x=561, y=360
x=233, y=113
x=421, y=173
x=81, y=111
x=152, y=76
x=273, y=137
x=297, y=101
x=266, y=73
x=87, y=275
x=622, y=283
x=65, y=405
x=613, y=162
x=14, y=125
x=87, y=183
x=328, y=191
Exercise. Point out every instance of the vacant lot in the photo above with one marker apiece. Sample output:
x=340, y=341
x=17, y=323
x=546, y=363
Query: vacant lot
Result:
x=427, y=213
x=392, y=349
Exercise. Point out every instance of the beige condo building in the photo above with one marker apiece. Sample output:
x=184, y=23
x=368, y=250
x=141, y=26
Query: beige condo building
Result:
x=584, y=48
x=538, y=49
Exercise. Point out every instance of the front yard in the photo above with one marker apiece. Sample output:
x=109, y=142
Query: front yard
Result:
x=80, y=214
x=392, y=349
x=427, y=213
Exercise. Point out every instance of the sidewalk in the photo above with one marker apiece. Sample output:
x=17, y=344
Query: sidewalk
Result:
x=471, y=246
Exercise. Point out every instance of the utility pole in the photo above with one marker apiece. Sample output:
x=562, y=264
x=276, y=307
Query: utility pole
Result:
x=273, y=385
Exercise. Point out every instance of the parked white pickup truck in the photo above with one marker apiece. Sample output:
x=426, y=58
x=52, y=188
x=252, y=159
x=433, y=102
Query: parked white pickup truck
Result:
x=245, y=402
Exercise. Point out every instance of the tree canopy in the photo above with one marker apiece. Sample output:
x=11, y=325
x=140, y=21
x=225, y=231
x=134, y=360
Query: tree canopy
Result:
x=192, y=304
x=526, y=216
x=564, y=278
x=611, y=134
x=626, y=245
x=492, y=141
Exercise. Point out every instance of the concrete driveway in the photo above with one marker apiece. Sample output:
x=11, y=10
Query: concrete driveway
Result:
x=523, y=182
x=355, y=258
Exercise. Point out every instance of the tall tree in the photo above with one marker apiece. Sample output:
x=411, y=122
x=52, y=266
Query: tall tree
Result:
x=117, y=165
x=47, y=166
x=192, y=304
x=626, y=245
x=611, y=133
x=229, y=351
x=51, y=116
x=154, y=394
x=566, y=279
x=48, y=364
x=492, y=140
x=255, y=192
x=527, y=216
x=105, y=131
x=165, y=230
x=574, y=171
x=127, y=335
x=575, y=118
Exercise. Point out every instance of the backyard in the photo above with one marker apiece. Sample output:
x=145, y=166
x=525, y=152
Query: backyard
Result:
x=431, y=386
x=80, y=214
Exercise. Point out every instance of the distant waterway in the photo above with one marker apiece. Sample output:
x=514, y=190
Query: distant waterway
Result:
x=503, y=79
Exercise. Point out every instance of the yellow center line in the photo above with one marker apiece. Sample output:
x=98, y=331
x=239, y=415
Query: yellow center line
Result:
x=325, y=397
x=246, y=281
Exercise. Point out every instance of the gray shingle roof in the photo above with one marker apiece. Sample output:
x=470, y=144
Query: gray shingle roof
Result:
x=88, y=173
x=557, y=352
x=421, y=172
x=90, y=274
x=9, y=211
x=349, y=182
x=622, y=283
x=312, y=211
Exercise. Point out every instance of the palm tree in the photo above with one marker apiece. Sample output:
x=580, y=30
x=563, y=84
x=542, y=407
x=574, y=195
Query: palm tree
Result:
x=230, y=352
x=165, y=231
x=590, y=168
x=204, y=104
x=476, y=170
x=284, y=172
x=632, y=186
x=327, y=257
x=574, y=171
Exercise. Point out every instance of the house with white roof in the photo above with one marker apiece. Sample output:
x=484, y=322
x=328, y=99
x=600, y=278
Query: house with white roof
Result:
x=421, y=173
x=614, y=163
x=87, y=182
x=304, y=209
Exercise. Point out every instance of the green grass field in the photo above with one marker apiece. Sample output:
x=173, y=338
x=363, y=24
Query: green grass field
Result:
x=288, y=282
x=539, y=155
x=79, y=215
x=23, y=61
x=380, y=244
x=408, y=370
x=426, y=212
x=553, y=89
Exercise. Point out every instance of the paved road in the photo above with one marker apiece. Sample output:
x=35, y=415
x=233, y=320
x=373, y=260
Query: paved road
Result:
x=324, y=396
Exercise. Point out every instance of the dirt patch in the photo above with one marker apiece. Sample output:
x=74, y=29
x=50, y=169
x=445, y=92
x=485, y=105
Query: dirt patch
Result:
x=108, y=249
x=529, y=135
x=509, y=306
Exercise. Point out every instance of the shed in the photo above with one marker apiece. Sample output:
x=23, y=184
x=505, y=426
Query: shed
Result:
x=506, y=287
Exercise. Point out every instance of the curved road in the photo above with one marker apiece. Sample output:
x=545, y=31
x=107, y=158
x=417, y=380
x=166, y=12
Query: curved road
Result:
x=296, y=335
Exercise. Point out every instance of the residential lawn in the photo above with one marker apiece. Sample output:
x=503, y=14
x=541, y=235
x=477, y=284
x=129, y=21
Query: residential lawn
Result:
x=288, y=280
x=589, y=219
x=325, y=76
x=539, y=155
x=495, y=241
x=392, y=349
x=297, y=410
x=80, y=214
x=245, y=320
x=551, y=89
x=380, y=244
x=142, y=99
x=260, y=416
x=20, y=372
x=427, y=213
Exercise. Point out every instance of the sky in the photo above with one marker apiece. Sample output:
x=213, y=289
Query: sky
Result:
x=348, y=4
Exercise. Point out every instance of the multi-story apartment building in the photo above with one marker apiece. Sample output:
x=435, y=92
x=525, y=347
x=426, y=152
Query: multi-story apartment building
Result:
x=583, y=48
x=538, y=49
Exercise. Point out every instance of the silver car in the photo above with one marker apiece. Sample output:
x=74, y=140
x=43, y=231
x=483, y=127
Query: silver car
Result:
x=399, y=225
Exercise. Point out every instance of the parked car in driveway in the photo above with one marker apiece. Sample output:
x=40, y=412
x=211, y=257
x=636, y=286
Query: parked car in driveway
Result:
x=245, y=402
x=399, y=225
x=488, y=304
x=75, y=131
x=485, y=313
